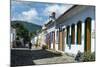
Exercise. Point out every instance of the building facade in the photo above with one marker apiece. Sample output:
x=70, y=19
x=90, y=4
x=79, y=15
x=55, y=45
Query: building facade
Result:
x=40, y=38
x=73, y=31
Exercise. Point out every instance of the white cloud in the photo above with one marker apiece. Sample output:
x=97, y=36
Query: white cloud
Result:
x=30, y=15
x=59, y=9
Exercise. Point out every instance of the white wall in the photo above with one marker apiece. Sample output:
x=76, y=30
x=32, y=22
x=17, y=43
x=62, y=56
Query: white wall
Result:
x=50, y=30
x=88, y=12
x=82, y=15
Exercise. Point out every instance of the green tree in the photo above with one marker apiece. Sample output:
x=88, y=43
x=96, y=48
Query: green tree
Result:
x=21, y=31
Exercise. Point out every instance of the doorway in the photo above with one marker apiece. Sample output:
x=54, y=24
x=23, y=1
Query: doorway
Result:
x=88, y=35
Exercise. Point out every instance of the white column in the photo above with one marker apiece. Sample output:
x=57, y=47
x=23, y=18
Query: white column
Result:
x=70, y=31
x=55, y=36
x=75, y=34
x=83, y=37
x=93, y=39
x=56, y=45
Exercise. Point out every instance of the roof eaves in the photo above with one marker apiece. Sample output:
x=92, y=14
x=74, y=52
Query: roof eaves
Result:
x=66, y=12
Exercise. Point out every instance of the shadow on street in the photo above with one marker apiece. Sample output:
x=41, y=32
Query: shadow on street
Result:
x=27, y=57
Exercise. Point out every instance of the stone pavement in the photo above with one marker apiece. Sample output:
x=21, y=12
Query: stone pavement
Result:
x=24, y=57
x=56, y=60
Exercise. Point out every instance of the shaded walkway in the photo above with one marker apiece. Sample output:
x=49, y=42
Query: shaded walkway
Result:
x=26, y=57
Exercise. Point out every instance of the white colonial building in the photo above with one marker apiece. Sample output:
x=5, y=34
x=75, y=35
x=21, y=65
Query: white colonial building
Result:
x=39, y=39
x=73, y=31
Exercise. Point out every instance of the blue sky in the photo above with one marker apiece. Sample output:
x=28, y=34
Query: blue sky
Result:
x=35, y=12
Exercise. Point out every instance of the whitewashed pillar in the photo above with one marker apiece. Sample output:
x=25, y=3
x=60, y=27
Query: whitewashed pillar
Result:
x=93, y=37
x=83, y=36
x=70, y=31
x=55, y=35
x=56, y=45
x=76, y=34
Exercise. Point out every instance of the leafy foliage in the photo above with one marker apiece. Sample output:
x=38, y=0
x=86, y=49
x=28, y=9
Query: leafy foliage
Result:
x=89, y=56
x=85, y=57
x=25, y=29
x=21, y=31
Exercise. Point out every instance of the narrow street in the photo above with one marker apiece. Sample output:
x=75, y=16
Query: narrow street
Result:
x=24, y=57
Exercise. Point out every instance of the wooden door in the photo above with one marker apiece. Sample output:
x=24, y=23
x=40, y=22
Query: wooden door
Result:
x=73, y=34
x=63, y=40
x=88, y=35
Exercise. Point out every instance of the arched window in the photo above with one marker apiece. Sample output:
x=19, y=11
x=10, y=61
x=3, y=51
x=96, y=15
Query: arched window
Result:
x=79, y=31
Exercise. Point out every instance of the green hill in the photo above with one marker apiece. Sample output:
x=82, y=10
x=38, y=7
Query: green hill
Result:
x=30, y=26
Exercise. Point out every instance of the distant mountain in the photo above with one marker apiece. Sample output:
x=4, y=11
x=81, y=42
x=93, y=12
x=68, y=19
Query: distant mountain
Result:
x=30, y=26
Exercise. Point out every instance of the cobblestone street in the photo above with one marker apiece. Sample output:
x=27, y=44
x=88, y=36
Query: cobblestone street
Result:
x=24, y=57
